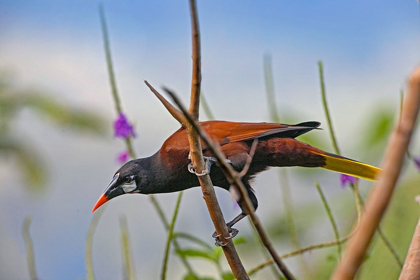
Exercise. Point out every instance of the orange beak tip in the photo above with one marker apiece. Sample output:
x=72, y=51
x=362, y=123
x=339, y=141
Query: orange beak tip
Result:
x=100, y=201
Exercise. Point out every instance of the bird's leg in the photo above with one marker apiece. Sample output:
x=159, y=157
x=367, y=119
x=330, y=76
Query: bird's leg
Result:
x=208, y=161
x=233, y=231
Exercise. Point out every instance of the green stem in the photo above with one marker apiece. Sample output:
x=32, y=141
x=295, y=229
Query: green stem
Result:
x=287, y=199
x=324, y=103
x=29, y=248
x=89, y=241
x=330, y=216
x=269, y=86
x=359, y=200
x=170, y=236
x=125, y=244
x=127, y=141
x=298, y=252
x=206, y=107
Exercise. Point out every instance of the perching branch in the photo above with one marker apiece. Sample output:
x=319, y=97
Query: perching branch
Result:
x=233, y=178
x=196, y=152
x=411, y=269
x=381, y=193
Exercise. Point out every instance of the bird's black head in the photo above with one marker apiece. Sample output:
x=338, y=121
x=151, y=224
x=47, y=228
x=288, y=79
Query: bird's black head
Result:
x=126, y=180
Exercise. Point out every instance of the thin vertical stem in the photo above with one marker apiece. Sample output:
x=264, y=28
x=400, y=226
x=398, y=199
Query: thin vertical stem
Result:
x=125, y=244
x=326, y=110
x=269, y=88
x=284, y=184
x=128, y=142
x=89, y=240
x=206, y=107
x=330, y=216
x=111, y=74
x=170, y=235
x=30, y=257
x=359, y=201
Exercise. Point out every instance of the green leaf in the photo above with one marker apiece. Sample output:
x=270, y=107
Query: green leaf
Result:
x=239, y=240
x=193, y=239
x=64, y=115
x=29, y=163
x=194, y=253
x=379, y=128
x=228, y=276
x=192, y=277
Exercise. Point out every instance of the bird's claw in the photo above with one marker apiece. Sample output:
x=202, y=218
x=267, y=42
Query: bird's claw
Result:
x=232, y=231
x=208, y=161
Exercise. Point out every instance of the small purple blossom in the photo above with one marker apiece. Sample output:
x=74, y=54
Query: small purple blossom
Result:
x=123, y=157
x=122, y=128
x=347, y=179
x=417, y=162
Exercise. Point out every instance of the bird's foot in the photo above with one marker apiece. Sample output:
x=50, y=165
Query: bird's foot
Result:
x=232, y=231
x=208, y=161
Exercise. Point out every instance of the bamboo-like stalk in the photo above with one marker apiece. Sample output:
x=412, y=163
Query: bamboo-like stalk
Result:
x=381, y=193
x=30, y=257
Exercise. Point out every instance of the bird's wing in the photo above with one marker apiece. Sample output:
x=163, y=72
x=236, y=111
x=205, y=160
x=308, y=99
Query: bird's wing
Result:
x=226, y=132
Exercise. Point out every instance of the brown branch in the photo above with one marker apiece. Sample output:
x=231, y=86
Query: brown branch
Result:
x=411, y=269
x=381, y=193
x=207, y=188
x=233, y=178
x=196, y=152
x=171, y=108
x=196, y=67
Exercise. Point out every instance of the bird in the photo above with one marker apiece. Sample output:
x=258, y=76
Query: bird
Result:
x=169, y=169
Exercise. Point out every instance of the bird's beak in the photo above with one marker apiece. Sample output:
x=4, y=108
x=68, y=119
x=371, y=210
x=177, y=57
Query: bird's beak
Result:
x=100, y=201
x=111, y=191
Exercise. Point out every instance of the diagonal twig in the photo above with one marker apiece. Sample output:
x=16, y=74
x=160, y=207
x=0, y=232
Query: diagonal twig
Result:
x=171, y=108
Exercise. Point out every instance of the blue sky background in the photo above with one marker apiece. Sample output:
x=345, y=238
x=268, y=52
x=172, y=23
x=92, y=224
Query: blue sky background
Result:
x=368, y=49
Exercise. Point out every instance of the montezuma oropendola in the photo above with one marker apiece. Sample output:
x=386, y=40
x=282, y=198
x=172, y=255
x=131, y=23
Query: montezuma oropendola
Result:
x=167, y=170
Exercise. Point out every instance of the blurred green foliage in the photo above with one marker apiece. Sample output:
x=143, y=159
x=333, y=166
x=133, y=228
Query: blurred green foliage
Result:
x=14, y=99
x=210, y=253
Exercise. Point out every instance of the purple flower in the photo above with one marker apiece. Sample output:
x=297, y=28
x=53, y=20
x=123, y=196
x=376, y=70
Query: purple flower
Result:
x=122, y=127
x=347, y=179
x=123, y=157
x=417, y=162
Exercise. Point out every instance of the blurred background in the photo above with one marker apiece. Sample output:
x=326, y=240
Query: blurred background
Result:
x=58, y=152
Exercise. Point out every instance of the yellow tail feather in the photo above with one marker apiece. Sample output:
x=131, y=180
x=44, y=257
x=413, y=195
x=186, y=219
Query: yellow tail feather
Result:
x=350, y=167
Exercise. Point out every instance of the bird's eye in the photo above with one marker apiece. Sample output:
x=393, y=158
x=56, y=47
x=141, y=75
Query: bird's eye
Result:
x=129, y=179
